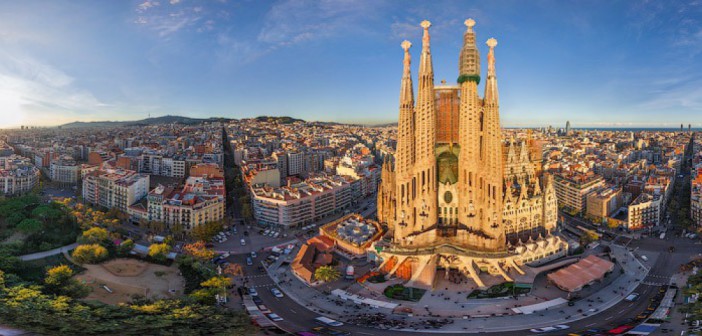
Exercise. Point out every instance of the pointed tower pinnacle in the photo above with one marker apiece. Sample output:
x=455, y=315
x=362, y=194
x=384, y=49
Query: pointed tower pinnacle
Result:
x=406, y=94
x=425, y=66
x=491, y=95
x=469, y=61
x=405, y=145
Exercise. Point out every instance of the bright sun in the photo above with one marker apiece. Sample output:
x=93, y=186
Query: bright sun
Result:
x=11, y=114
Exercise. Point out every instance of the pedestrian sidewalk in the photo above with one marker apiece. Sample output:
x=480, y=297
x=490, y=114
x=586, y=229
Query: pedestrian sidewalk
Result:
x=41, y=255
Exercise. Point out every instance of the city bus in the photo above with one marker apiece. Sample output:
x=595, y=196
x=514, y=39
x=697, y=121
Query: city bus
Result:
x=327, y=321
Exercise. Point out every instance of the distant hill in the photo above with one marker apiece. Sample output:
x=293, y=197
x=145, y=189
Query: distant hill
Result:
x=384, y=125
x=145, y=122
x=280, y=120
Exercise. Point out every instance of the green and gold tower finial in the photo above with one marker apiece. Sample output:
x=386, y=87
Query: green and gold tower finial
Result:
x=469, y=61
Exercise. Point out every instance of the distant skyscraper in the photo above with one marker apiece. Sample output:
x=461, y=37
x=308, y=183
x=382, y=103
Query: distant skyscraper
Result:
x=689, y=127
x=567, y=130
x=681, y=127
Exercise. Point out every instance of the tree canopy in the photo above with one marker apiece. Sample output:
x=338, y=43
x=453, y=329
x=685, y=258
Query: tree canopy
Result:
x=59, y=280
x=90, y=254
x=199, y=250
x=30, y=309
x=326, y=273
x=94, y=235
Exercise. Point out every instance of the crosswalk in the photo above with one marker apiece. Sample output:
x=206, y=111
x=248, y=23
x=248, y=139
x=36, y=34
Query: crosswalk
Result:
x=256, y=276
x=263, y=285
x=657, y=280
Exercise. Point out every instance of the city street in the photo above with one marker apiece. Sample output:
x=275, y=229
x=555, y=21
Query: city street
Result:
x=299, y=317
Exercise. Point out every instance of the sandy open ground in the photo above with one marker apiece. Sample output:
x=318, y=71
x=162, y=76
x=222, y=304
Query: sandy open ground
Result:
x=126, y=277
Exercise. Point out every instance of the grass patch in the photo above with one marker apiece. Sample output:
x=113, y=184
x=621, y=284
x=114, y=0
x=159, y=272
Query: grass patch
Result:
x=502, y=290
x=400, y=292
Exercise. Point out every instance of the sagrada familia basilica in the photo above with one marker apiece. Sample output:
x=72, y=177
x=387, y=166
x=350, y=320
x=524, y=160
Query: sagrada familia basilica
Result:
x=456, y=196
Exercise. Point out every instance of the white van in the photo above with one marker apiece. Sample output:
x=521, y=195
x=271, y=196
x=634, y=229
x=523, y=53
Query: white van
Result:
x=632, y=297
x=328, y=322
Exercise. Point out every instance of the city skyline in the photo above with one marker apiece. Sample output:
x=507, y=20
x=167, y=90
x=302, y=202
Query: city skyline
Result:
x=621, y=64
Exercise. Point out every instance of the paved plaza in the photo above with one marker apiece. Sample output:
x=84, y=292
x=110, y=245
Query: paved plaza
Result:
x=475, y=314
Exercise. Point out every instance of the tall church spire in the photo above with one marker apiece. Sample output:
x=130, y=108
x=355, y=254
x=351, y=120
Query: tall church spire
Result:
x=491, y=95
x=425, y=157
x=425, y=112
x=405, y=141
x=469, y=60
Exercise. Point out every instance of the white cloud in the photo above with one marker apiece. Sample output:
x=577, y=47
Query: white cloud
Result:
x=29, y=86
x=146, y=5
x=293, y=21
x=168, y=20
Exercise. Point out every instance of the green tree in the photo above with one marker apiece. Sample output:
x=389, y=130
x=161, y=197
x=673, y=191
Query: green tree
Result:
x=326, y=273
x=169, y=241
x=199, y=250
x=59, y=280
x=13, y=219
x=125, y=247
x=47, y=213
x=206, y=231
x=29, y=309
x=94, y=235
x=178, y=230
x=219, y=283
x=2, y=280
x=90, y=254
x=246, y=211
x=29, y=226
x=156, y=227
x=159, y=251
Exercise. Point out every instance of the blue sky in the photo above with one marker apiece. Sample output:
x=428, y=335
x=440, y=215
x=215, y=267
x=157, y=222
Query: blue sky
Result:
x=595, y=63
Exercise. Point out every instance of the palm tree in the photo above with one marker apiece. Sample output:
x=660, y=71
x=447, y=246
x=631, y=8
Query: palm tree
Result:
x=326, y=274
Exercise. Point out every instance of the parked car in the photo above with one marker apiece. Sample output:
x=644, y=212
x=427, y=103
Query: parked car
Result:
x=253, y=292
x=274, y=317
x=243, y=242
x=264, y=309
x=253, y=254
x=549, y=329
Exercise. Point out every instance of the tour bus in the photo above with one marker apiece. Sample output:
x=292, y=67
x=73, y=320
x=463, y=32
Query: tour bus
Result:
x=327, y=321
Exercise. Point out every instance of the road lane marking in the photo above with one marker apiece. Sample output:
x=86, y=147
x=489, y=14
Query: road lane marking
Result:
x=590, y=324
x=622, y=310
x=609, y=318
x=293, y=311
x=364, y=333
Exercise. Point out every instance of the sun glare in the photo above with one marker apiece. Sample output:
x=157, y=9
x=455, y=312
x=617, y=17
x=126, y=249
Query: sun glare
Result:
x=11, y=114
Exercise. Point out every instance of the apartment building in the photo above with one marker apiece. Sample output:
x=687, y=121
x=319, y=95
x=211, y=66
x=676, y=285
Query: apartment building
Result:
x=602, y=203
x=115, y=188
x=64, y=170
x=17, y=175
x=300, y=203
x=644, y=212
x=572, y=189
